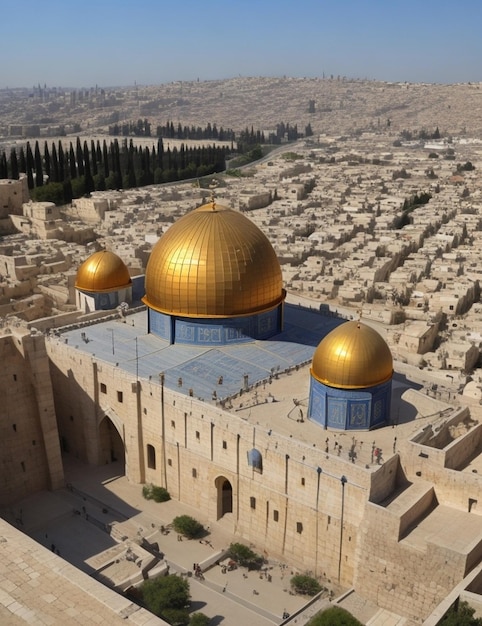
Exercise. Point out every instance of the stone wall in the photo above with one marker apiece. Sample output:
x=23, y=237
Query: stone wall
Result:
x=28, y=429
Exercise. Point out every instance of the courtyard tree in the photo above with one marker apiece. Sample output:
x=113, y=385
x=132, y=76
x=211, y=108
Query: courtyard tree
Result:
x=334, y=616
x=168, y=598
x=187, y=526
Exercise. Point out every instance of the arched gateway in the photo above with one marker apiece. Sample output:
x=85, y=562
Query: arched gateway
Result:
x=225, y=496
x=111, y=445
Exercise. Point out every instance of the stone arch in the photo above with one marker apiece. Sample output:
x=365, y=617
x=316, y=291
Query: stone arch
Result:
x=111, y=440
x=224, y=491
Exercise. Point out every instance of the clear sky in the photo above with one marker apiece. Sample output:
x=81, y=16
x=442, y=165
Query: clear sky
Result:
x=114, y=43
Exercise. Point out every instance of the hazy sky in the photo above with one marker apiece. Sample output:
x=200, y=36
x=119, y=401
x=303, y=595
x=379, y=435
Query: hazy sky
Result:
x=109, y=43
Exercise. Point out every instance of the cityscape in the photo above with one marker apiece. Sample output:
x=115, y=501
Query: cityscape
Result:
x=262, y=296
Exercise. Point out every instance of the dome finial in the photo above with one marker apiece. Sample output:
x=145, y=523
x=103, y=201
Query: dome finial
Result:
x=213, y=186
x=359, y=312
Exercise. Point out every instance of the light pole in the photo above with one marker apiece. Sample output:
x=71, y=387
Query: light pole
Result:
x=343, y=481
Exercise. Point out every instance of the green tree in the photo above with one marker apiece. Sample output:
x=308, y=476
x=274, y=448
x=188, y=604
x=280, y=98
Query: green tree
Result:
x=47, y=160
x=306, y=585
x=39, y=174
x=245, y=556
x=61, y=159
x=334, y=616
x=167, y=597
x=158, y=494
x=460, y=614
x=187, y=526
x=30, y=167
x=72, y=162
x=14, y=164
x=22, y=161
x=3, y=166
x=52, y=192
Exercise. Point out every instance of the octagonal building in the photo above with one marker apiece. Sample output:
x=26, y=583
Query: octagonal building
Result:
x=351, y=379
x=213, y=278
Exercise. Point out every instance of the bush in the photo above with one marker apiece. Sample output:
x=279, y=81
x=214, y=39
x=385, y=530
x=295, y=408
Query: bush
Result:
x=305, y=585
x=334, y=616
x=245, y=556
x=167, y=597
x=158, y=494
x=199, y=619
x=187, y=526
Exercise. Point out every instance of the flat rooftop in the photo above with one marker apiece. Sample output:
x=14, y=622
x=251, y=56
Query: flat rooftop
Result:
x=126, y=343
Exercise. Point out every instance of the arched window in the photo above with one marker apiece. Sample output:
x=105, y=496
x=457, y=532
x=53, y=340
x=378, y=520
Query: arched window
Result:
x=255, y=460
x=151, y=457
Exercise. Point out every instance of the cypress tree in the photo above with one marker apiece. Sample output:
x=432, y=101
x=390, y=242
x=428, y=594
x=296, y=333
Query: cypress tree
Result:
x=14, y=164
x=61, y=158
x=47, y=160
x=80, y=158
x=105, y=156
x=39, y=174
x=55, y=165
x=72, y=163
x=3, y=166
x=93, y=156
x=30, y=167
x=89, y=181
x=22, y=162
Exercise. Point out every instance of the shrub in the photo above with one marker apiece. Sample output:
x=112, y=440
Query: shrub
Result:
x=305, y=585
x=167, y=597
x=158, y=494
x=245, y=556
x=334, y=616
x=187, y=526
x=199, y=619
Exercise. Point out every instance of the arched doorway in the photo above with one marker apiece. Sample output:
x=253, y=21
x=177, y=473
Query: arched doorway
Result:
x=225, y=496
x=111, y=444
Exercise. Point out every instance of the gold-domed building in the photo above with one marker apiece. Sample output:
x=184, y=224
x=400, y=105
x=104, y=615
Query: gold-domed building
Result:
x=102, y=282
x=213, y=279
x=351, y=376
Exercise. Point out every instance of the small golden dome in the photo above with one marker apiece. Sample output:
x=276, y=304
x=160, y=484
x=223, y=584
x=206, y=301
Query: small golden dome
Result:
x=101, y=272
x=213, y=262
x=352, y=356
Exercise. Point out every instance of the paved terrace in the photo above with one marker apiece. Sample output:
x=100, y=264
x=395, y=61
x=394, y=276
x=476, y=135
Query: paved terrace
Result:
x=126, y=343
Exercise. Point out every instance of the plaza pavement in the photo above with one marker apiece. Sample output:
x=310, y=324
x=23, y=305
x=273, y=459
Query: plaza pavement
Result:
x=68, y=522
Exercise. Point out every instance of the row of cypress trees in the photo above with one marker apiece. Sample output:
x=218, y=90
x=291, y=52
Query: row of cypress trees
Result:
x=58, y=174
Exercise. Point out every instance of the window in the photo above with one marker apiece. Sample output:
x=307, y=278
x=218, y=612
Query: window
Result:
x=255, y=460
x=194, y=472
x=275, y=515
x=103, y=388
x=173, y=424
x=252, y=502
x=198, y=436
x=299, y=527
x=14, y=426
x=303, y=481
x=15, y=377
x=169, y=462
x=22, y=463
x=120, y=396
x=225, y=445
x=151, y=457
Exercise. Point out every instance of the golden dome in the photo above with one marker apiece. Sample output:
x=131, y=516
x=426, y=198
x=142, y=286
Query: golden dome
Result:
x=101, y=272
x=213, y=262
x=352, y=356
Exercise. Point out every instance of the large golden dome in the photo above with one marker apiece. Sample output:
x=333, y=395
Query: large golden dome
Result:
x=352, y=356
x=213, y=262
x=103, y=271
